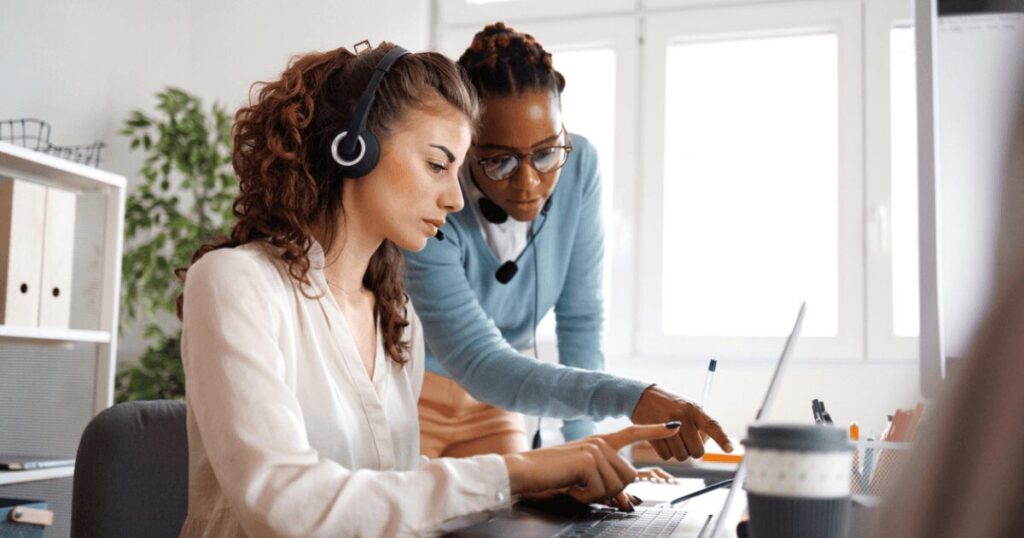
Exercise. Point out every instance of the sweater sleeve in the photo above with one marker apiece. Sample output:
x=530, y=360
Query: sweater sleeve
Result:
x=466, y=341
x=252, y=430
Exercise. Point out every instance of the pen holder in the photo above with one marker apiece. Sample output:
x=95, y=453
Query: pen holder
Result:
x=877, y=466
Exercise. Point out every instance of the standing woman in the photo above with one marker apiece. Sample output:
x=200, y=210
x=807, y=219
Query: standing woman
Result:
x=303, y=356
x=528, y=240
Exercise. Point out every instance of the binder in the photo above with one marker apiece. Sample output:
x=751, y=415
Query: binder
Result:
x=58, y=254
x=22, y=213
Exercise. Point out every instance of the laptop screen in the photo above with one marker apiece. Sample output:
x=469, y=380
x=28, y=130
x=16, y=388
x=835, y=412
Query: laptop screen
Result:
x=762, y=413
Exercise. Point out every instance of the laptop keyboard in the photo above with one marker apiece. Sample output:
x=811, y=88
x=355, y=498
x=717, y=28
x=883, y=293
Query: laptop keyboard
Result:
x=643, y=522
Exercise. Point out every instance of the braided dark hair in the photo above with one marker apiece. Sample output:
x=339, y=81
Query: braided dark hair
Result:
x=502, y=61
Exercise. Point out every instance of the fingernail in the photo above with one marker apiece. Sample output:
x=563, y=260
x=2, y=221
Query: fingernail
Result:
x=728, y=447
x=637, y=500
x=629, y=508
x=673, y=425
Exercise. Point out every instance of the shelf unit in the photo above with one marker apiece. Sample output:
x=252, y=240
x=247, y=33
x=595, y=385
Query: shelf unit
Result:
x=26, y=164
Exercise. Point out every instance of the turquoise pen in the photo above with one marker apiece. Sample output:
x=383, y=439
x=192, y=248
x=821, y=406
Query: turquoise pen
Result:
x=712, y=366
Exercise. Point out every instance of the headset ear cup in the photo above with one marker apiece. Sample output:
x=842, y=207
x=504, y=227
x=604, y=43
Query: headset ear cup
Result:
x=369, y=160
x=492, y=212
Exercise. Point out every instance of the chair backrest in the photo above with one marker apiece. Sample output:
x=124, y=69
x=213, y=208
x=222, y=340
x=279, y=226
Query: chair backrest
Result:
x=131, y=472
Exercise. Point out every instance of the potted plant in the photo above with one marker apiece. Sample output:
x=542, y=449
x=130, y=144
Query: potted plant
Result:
x=185, y=199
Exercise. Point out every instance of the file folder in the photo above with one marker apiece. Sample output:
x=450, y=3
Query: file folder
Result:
x=58, y=255
x=22, y=214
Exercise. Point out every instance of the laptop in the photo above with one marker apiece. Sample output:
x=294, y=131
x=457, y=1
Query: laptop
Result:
x=708, y=516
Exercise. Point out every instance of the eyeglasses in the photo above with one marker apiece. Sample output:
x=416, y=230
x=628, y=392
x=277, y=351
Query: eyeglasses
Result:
x=544, y=160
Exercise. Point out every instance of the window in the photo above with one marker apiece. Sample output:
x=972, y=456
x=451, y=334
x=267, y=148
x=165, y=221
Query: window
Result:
x=588, y=107
x=750, y=186
x=754, y=154
x=891, y=240
x=905, y=297
x=753, y=182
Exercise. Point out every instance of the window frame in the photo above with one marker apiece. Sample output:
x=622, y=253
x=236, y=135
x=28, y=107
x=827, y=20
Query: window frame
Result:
x=881, y=16
x=460, y=12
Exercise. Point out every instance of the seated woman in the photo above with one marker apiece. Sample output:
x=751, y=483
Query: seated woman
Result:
x=303, y=357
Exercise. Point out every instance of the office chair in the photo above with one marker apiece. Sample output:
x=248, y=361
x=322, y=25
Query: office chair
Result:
x=131, y=472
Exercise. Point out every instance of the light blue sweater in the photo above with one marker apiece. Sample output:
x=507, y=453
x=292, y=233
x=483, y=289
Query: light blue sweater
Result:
x=473, y=324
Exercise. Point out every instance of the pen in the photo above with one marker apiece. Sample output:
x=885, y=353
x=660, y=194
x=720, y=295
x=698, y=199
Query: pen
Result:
x=712, y=366
x=700, y=492
x=827, y=418
x=869, y=463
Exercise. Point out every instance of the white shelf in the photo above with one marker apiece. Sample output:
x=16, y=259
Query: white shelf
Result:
x=18, y=477
x=24, y=163
x=46, y=335
x=29, y=165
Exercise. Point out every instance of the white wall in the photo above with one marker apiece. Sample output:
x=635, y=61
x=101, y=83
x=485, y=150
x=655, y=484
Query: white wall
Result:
x=235, y=44
x=83, y=66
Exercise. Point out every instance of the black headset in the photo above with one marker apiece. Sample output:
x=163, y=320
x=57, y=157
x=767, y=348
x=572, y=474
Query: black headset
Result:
x=358, y=154
x=494, y=214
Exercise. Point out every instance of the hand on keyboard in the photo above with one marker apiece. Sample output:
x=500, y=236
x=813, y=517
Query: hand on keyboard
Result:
x=588, y=470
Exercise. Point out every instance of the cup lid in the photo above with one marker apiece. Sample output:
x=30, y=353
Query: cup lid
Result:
x=803, y=437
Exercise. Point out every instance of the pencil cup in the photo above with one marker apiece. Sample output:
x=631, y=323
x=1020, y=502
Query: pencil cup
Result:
x=798, y=480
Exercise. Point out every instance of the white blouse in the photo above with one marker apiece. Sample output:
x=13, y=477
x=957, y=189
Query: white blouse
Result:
x=287, y=434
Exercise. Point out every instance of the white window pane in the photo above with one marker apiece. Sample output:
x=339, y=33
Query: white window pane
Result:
x=751, y=186
x=903, y=101
x=588, y=108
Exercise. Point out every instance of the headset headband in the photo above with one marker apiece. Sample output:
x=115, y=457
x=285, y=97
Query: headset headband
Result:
x=365, y=103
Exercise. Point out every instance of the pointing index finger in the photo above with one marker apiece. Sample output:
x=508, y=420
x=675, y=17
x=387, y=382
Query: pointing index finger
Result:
x=711, y=427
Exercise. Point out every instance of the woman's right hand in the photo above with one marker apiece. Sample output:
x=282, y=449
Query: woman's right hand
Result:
x=589, y=470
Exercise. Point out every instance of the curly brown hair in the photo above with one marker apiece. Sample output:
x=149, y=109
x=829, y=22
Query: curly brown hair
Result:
x=289, y=185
